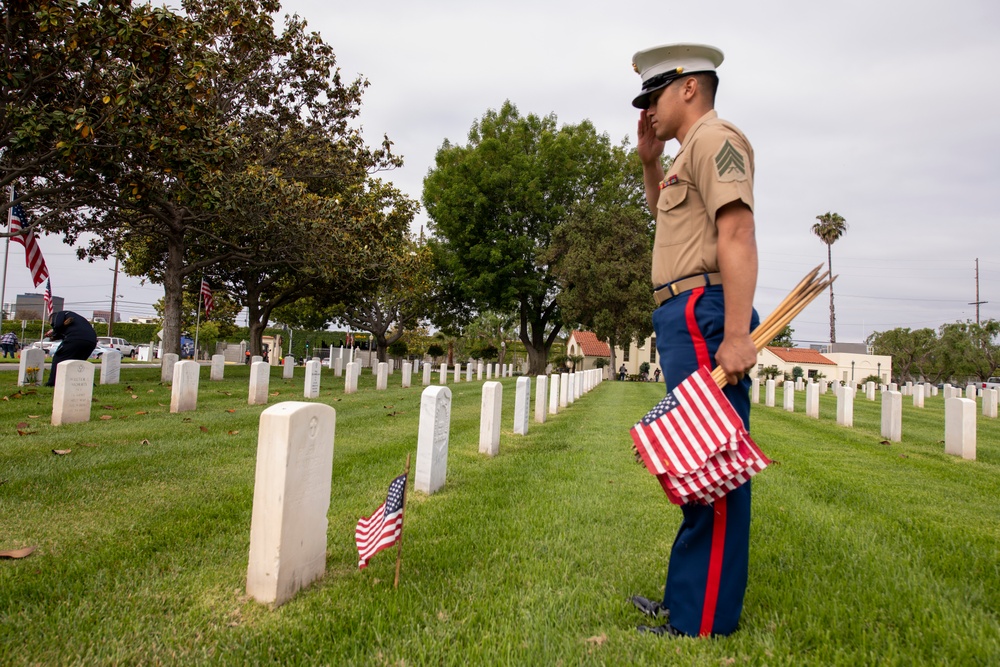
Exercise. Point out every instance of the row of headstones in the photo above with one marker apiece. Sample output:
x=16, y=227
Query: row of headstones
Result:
x=960, y=413
x=288, y=529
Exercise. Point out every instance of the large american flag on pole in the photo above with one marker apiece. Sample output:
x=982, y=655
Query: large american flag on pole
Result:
x=32, y=252
x=383, y=528
x=206, y=297
x=695, y=443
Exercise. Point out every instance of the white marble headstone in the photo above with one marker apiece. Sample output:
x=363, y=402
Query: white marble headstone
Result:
x=218, y=371
x=291, y=498
x=845, y=406
x=812, y=400
x=184, y=392
x=554, y=395
x=111, y=367
x=788, y=394
x=313, y=369
x=427, y=374
x=444, y=374
x=31, y=357
x=432, y=439
x=959, y=426
x=260, y=379
x=563, y=390
x=382, y=379
x=351, y=377
x=541, y=396
x=458, y=373
x=407, y=373
x=892, y=416
x=74, y=392
x=522, y=405
x=479, y=371
x=990, y=403
x=769, y=393
x=338, y=367
x=288, y=370
x=489, y=421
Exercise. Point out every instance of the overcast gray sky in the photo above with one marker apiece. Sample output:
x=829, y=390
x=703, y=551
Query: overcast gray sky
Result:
x=884, y=111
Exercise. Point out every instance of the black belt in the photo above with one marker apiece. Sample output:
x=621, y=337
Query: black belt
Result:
x=666, y=292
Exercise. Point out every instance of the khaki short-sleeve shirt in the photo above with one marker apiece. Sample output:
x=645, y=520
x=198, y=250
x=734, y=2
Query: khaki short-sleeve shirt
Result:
x=713, y=167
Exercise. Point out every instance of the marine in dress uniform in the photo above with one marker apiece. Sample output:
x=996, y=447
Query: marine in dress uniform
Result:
x=704, y=275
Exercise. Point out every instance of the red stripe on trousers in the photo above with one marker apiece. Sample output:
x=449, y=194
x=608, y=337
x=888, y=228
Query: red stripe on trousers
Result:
x=719, y=507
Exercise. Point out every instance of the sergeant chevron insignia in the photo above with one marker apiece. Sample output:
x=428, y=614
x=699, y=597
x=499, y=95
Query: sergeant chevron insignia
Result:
x=730, y=163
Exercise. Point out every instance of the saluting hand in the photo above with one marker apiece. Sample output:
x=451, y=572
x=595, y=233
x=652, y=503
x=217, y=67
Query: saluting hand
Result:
x=648, y=147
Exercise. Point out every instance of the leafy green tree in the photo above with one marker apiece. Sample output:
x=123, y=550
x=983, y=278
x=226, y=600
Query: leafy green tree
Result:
x=784, y=338
x=397, y=300
x=601, y=258
x=829, y=229
x=914, y=353
x=493, y=205
x=769, y=372
x=968, y=349
x=434, y=350
x=398, y=348
x=797, y=372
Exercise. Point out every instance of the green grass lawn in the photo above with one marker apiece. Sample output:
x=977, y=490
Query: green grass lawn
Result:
x=862, y=553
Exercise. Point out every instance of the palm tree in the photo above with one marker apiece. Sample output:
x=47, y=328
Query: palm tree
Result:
x=830, y=227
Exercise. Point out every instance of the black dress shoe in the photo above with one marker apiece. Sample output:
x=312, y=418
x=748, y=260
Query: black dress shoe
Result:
x=649, y=607
x=665, y=630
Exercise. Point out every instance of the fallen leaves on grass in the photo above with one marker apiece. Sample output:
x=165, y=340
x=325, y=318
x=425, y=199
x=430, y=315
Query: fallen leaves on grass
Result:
x=87, y=444
x=230, y=410
x=275, y=393
x=234, y=433
x=142, y=412
x=226, y=393
x=884, y=442
x=108, y=407
x=106, y=417
x=33, y=416
x=597, y=640
x=61, y=452
x=186, y=420
x=134, y=396
x=17, y=553
x=21, y=425
x=204, y=429
x=144, y=442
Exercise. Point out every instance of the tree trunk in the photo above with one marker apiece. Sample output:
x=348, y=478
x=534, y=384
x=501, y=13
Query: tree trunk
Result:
x=833, y=315
x=381, y=345
x=173, y=294
x=612, y=343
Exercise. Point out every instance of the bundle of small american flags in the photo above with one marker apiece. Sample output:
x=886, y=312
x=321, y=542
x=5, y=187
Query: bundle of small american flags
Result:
x=695, y=443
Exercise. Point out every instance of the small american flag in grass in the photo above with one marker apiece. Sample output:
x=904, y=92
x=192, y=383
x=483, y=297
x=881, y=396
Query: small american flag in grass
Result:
x=695, y=443
x=383, y=528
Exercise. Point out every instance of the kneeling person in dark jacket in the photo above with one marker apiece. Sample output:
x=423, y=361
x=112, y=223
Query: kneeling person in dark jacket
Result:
x=78, y=339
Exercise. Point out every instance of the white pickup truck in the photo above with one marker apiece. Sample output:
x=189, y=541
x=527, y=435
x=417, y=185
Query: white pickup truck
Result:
x=992, y=383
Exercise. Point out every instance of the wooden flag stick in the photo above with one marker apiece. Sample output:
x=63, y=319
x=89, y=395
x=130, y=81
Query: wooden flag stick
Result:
x=801, y=296
x=399, y=543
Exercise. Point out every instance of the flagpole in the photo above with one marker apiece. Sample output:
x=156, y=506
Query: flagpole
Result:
x=399, y=544
x=6, y=251
x=197, y=320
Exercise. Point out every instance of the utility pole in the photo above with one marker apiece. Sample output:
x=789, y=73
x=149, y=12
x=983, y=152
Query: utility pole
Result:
x=114, y=295
x=977, y=302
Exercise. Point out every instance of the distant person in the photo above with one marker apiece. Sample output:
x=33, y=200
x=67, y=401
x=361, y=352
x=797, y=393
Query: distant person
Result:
x=9, y=344
x=656, y=375
x=622, y=372
x=77, y=336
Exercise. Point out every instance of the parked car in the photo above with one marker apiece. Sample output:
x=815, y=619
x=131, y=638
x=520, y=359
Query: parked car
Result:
x=126, y=348
x=50, y=346
x=99, y=350
x=992, y=383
